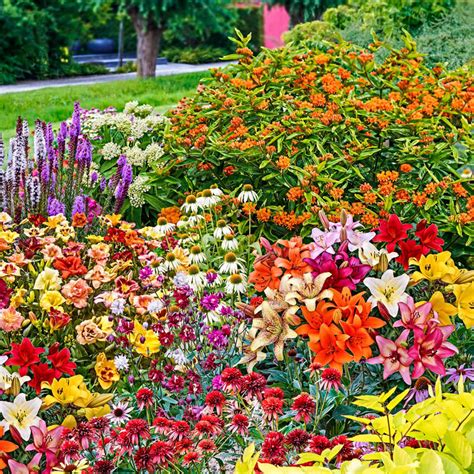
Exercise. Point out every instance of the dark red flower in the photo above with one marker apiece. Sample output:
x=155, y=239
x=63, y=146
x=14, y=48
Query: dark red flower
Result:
x=239, y=424
x=304, y=406
x=429, y=237
x=346, y=452
x=253, y=385
x=272, y=407
x=136, y=429
x=61, y=361
x=41, y=373
x=191, y=458
x=24, y=355
x=274, y=392
x=330, y=378
x=69, y=266
x=298, y=439
x=103, y=467
x=5, y=293
x=215, y=400
x=319, y=443
x=144, y=397
x=273, y=448
x=162, y=452
x=408, y=249
x=391, y=231
x=143, y=460
x=231, y=379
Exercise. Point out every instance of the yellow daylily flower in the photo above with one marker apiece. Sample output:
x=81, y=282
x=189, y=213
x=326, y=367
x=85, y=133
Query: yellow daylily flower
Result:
x=465, y=302
x=433, y=267
x=95, y=239
x=444, y=309
x=145, y=341
x=106, y=371
x=52, y=299
x=55, y=221
x=8, y=236
x=96, y=412
x=65, y=391
x=48, y=279
x=18, y=298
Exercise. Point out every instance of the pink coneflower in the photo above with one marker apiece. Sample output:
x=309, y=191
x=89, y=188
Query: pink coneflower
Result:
x=136, y=429
x=239, y=424
x=319, y=443
x=253, y=385
x=191, y=458
x=330, y=378
x=144, y=398
x=206, y=446
x=272, y=407
x=273, y=448
x=179, y=430
x=304, y=406
x=162, y=452
x=120, y=413
x=298, y=439
x=215, y=400
x=231, y=379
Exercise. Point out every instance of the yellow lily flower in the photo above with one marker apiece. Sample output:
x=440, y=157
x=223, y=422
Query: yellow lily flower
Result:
x=434, y=267
x=48, y=279
x=443, y=309
x=465, y=302
x=8, y=236
x=65, y=391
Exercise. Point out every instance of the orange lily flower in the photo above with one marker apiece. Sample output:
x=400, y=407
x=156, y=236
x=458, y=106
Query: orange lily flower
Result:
x=330, y=350
x=5, y=447
x=293, y=259
x=359, y=341
x=314, y=319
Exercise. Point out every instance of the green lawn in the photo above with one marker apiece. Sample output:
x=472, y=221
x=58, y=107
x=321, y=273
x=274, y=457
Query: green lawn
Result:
x=55, y=104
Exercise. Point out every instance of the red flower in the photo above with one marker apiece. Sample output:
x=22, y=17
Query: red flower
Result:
x=239, y=424
x=61, y=361
x=346, y=452
x=274, y=392
x=144, y=398
x=215, y=400
x=162, y=452
x=330, y=378
x=136, y=429
x=391, y=231
x=253, y=385
x=298, y=439
x=273, y=449
x=429, y=237
x=231, y=379
x=24, y=355
x=304, y=406
x=272, y=407
x=207, y=446
x=409, y=249
x=191, y=458
x=179, y=430
x=319, y=443
x=41, y=373
x=143, y=460
x=5, y=293
x=70, y=266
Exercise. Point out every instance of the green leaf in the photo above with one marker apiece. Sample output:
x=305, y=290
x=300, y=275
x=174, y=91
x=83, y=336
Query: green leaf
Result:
x=430, y=462
x=396, y=400
x=459, y=447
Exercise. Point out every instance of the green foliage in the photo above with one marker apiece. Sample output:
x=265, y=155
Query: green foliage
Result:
x=250, y=20
x=195, y=55
x=312, y=31
x=35, y=37
x=450, y=40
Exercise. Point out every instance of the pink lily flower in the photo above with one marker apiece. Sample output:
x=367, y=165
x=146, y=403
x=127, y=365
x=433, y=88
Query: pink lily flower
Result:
x=31, y=468
x=46, y=442
x=430, y=348
x=394, y=356
x=413, y=316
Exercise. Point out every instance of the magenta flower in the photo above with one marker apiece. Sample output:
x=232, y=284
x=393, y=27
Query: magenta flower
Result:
x=394, y=356
x=46, y=442
x=430, y=348
x=31, y=468
x=413, y=316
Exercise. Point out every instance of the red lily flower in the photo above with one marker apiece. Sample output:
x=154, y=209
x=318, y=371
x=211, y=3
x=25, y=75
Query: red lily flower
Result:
x=41, y=373
x=70, y=266
x=429, y=237
x=61, y=361
x=409, y=249
x=24, y=355
x=391, y=231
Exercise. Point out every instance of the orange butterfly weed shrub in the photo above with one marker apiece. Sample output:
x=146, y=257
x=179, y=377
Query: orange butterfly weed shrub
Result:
x=332, y=129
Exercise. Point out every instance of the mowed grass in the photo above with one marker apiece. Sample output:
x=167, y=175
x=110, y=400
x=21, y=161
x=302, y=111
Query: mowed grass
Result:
x=55, y=104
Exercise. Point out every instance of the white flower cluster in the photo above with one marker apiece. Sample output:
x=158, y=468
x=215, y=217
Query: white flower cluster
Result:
x=137, y=189
x=111, y=151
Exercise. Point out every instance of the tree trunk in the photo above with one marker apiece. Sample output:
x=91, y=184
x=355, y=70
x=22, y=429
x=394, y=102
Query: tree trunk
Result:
x=149, y=34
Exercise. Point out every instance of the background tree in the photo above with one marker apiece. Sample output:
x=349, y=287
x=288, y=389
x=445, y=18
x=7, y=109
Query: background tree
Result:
x=150, y=18
x=305, y=10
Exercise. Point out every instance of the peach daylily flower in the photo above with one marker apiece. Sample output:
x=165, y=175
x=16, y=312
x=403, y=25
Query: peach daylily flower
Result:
x=77, y=292
x=10, y=319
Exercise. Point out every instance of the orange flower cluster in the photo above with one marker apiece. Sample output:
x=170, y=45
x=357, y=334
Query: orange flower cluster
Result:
x=171, y=214
x=339, y=331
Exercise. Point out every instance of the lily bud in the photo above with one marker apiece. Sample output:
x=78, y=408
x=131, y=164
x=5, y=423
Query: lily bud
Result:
x=343, y=218
x=383, y=263
x=324, y=220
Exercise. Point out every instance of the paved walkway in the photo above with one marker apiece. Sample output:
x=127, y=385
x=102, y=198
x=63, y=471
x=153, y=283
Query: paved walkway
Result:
x=161, y=70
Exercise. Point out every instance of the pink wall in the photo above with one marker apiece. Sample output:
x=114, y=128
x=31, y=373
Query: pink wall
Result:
x=275, y=22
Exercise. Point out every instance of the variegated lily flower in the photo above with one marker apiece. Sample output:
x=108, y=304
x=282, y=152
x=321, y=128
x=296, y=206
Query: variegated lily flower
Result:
x=307, y=291
x=273, y=329
x=250, y=358
x=277, y=300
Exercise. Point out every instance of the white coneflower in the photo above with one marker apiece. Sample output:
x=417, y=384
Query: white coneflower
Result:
x=231, y=264
x=190, y=204
x=121, y=362
x=163, y=226
x=230, y=242
x=215, y=190
x=222, y=229
x=247, y=194
x=236, y=283
x=183, y=222
x=120, y=413
x=194, y=220
x=196, y=278
x=171, y=262
x=206, y=199
x=196, y=255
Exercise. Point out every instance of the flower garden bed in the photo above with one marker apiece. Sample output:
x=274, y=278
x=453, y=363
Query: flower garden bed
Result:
x=273, y=278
